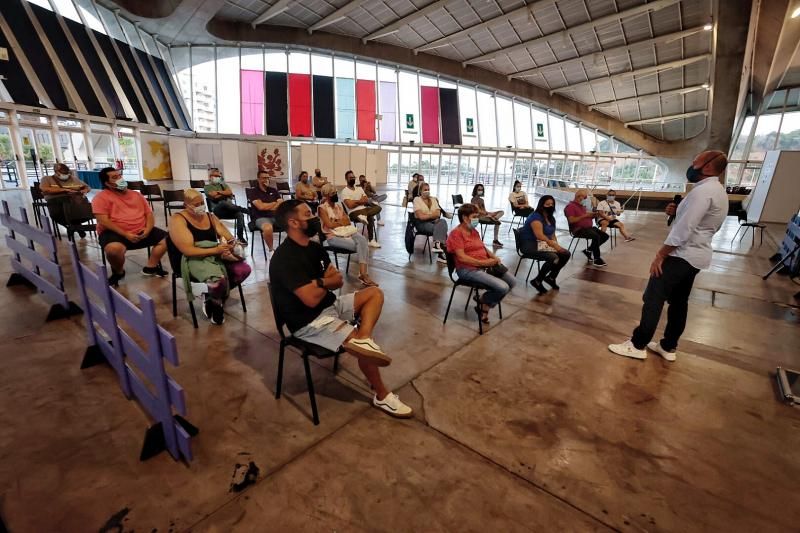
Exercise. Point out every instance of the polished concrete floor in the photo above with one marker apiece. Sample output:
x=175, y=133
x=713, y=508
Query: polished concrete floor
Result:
x=533, y=426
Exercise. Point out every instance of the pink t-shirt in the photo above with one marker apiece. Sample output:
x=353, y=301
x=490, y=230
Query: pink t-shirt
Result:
x=127, y=210
x=574, y=209
x=473, y=246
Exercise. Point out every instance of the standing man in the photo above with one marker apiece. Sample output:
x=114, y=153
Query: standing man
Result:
x=581, y=227
x=62, y=191
x=265, y=200
x=125, y=222
x=684, y=253
x=303, y=281
x=359, y=208
x=607, y=212
x=221, y=200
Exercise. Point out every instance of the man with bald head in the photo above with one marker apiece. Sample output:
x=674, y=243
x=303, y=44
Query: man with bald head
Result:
x=685, y=252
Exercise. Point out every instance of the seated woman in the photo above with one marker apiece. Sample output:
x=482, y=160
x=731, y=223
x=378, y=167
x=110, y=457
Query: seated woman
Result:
x=486, y=217
x=538, y=236
x=474, y=262
x=336, y=227
x=429, y=219
x=519, y=201
x=196, y=234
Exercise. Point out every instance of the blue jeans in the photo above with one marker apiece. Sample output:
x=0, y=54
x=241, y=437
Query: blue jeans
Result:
x=496, y=288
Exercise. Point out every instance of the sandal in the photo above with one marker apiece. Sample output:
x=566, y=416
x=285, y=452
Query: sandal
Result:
x=483, y=315
x=366, y=282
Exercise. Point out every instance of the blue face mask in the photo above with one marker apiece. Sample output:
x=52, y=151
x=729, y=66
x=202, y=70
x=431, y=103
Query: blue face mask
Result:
x=474, y=222
x=121, y=184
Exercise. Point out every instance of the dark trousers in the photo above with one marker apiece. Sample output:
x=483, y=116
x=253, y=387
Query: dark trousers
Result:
x=596, y=236
x=553, y=261
x=370, y=213
x=227, y=210
x=673, y=286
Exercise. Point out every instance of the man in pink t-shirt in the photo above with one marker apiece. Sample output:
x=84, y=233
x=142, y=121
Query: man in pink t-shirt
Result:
x=581, y=227
x=125, y=222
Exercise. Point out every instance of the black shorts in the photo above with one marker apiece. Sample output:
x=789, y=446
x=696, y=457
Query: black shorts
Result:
x=612, y=223
x=156, y=236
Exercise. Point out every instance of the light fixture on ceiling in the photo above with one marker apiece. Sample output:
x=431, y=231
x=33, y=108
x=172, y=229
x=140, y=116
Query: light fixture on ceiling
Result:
x=708, y=26
x=796, y=13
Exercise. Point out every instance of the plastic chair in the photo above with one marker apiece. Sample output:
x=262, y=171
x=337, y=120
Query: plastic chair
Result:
x=457, y=282
x=743, y=223
x=173, y=201
x=534, y=261
x=412, y=219
x=306, y=350
x=153, y=194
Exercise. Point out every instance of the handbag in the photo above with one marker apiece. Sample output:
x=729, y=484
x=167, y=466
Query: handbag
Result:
x=499, y=270
x=345, y=231
x=544, y=246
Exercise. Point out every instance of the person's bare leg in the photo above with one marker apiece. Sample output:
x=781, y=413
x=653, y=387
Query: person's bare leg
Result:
x=367, y=305
x=157, y=253
x=604, y=226
x=373, y=375
x=266, y=234
x=115, y=252
x=621, y=227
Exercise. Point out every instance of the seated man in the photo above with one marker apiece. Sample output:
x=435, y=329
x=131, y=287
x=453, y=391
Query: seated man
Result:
x=429, y=220
x=62, y=191
x=125, y=222
x=265, y=201
x=580, y=226
x=372, y=194
x=412, y=184
x=359, y=208
x=306, y=192
x=608, y=210
x=318, y=181
x=221, y=202
x=303, y=281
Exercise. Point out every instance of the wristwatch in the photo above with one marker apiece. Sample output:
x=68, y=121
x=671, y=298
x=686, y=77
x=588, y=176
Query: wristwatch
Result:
x=320, y=283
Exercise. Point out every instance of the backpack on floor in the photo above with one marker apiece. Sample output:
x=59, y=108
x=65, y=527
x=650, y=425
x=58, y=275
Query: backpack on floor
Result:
x=411, y=234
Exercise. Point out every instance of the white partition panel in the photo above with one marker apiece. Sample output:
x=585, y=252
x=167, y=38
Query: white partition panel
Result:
x=381, y=166
x=179, y=158
x=324, y=161
x=309, y=158
x=370, y=171
x=341, y=164
x=248, y=161
x=230, y=161
x=358, y=160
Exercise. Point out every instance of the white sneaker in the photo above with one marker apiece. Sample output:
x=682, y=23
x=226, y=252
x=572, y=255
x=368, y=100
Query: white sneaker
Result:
x=374, y=244
x=392, y=406
x=380, y=223
x=655, y=346
x=363, y=219
x=437, y=247
x=629, y=239
x=627, y=349
x=367, y=349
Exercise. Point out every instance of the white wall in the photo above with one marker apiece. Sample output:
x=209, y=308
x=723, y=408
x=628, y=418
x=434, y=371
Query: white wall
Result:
x=179, y=158
x=230, y=161
x=248, y=161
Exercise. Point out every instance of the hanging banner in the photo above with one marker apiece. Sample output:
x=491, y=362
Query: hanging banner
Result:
x=155, y=157
x=272, y=159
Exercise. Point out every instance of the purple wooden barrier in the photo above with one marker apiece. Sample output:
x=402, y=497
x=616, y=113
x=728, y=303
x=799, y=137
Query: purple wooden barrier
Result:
x=44, y=274
x=112, y=328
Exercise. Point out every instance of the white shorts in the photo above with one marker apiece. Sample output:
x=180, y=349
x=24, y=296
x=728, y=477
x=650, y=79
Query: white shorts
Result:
x=332, y=327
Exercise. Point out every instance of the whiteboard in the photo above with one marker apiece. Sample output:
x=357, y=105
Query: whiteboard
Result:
x=776, y=196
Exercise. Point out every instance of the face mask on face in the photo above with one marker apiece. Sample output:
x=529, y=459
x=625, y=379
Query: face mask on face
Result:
x=121, y=184
x=335, y=198
x=610, y=197
x=474, y=222
x=318, y=174
x=351, y=182
x=479, y=193
x=63, y=177
x=550, y=210
x=693, y=175
x=426, y=194
x=216, y=179
x=313, y=227
x=198, y=210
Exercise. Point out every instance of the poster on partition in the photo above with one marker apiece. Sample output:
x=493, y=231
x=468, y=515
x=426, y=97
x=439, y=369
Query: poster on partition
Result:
x=155, y=157
x=273, y=159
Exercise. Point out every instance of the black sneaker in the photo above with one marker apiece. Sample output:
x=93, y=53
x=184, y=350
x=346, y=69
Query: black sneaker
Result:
x=206, y=307
x=114, y=278
x=588, y=255
x=243, y=241
x=538, y=286
x=82, y=234
x=497, y=244
x=599, y=263
x=154, y=271
x=217, y=314
x=552, y=283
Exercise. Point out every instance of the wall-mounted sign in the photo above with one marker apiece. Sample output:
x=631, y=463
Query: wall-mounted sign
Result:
x=539, y=130
x=410, y=121
x=470, y=125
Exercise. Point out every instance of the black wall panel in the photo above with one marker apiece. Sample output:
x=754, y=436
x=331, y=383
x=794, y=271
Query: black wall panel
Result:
x=324, y=125
x=116, y=66
x=127, y=55
x=26, y=36
x=16, y=81
x=69, y=60
x=172, y=93
x=153, y=81
x=451, y=123
x=277, y=103
x=79, y=33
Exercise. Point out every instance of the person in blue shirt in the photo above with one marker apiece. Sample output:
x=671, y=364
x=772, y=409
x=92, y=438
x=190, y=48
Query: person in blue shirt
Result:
x=538, y=236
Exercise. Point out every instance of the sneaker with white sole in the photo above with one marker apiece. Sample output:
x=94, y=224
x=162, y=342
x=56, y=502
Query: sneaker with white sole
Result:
x=655, y=346
x=627, y=349
x=437, y=247
x=374, y=244
x=363, y=218
x=392, y=406
x=629, y=239
x=367, y=349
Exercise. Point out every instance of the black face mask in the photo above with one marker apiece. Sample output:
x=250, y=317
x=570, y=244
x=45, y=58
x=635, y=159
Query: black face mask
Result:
x=694, y=174
x=318, y=174
x=313, y=227
x=351, y=182
x=550, y=210
x=335, y=198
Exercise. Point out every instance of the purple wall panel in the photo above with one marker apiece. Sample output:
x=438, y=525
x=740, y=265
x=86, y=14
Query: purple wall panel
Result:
x=388, y=100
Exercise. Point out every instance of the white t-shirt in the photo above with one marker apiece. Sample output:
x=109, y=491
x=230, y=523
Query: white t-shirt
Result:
x=420, y=205
x=611, y=208
x=518, y=198
x=352, y=194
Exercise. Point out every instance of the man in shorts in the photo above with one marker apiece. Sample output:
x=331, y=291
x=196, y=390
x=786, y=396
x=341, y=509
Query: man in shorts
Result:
x=265, y=200
x=303, y=280
x=125, y=222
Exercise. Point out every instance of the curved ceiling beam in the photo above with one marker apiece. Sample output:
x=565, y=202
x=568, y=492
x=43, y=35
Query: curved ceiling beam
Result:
x=149, y=9
x=242, y=32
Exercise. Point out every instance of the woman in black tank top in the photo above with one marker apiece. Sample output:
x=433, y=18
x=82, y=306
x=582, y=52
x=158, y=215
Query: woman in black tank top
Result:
x=199, y=234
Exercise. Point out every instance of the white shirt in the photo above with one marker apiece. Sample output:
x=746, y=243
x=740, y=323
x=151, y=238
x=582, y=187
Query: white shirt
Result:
x=352, y=194
x=420, y=205
x=515, y=197
x=611, y=208
x=698, y=218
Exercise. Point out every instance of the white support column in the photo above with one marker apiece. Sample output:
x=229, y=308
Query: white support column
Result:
x=54, y=131
x=16, y=142
x=87, y=138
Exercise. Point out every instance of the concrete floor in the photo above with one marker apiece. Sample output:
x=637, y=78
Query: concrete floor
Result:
x=533, y=426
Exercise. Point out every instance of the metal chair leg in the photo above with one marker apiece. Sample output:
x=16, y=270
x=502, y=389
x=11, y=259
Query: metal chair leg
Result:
x=336, y=363
x=347, y=266
x=452, y=293
x=194, y=315
x=518, y=264
x=311, y=395
x=174, y=294
x=466, y=305
x=336, y=260
x=241, y=297
x=279, y=383
x=531, y=269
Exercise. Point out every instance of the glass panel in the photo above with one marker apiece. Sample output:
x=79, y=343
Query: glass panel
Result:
x=604, y=143
x=557, y=143
x=131, y=33
x=67, y=9
x=488, y=128
x=409, y=107
x=387, y=104
x=790, y=132
x=505, y=126
x=467, y=169
x=732, y=172
x=321, y=65
x=6, y=146
x=555, y=170
x=647, y=171
x=229, y=96
x=625, y=172
x=468, y=110
x=505, y=171
x=741, y=142
x=149, y=43
x=252, y=59
x=409, y=164
x=394, y=164
x=540, y=130
x=586, y=171
x=573, y=136
x=204, y=91
x=79, y=150
x=539, y=168
x=765, y=135
x=486, y=168
x=623, y=148
x=429, y=167
x=603, y=171
x=522, y=171
x=103, y=149
x=275, y=61
x=522, y=121
x=589, y=141
x=110, y=21
x=299, y=63
x=365, y=71
x=130, y=157
x=750, y=176
x=180, y=59
x=343, y=67
x=66, y=147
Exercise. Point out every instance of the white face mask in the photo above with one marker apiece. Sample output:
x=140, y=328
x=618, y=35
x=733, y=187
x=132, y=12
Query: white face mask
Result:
x=63, y=177
x=426, y=194
x=610, y=197
x=216, y=179
x=198, y=210
x=479, y=193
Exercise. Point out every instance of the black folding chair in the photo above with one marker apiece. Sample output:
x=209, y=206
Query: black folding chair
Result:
x=412, y=219
x=458, y=201
x=336, y=250
x=136, y=185
x=534, y=261
x=198, y=184
x=741, y=215
x=284, y=189
x=458, y=282
x=175, y=257
x=253, y=183
x=39, y=203
x=173, y=201
x=306, y=350
x=153, y=194
x=516, y=215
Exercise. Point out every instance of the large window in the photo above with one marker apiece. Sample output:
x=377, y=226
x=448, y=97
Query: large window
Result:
x=228, y=90
x=522, y=123
x=487, y=124
x=204, y=90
